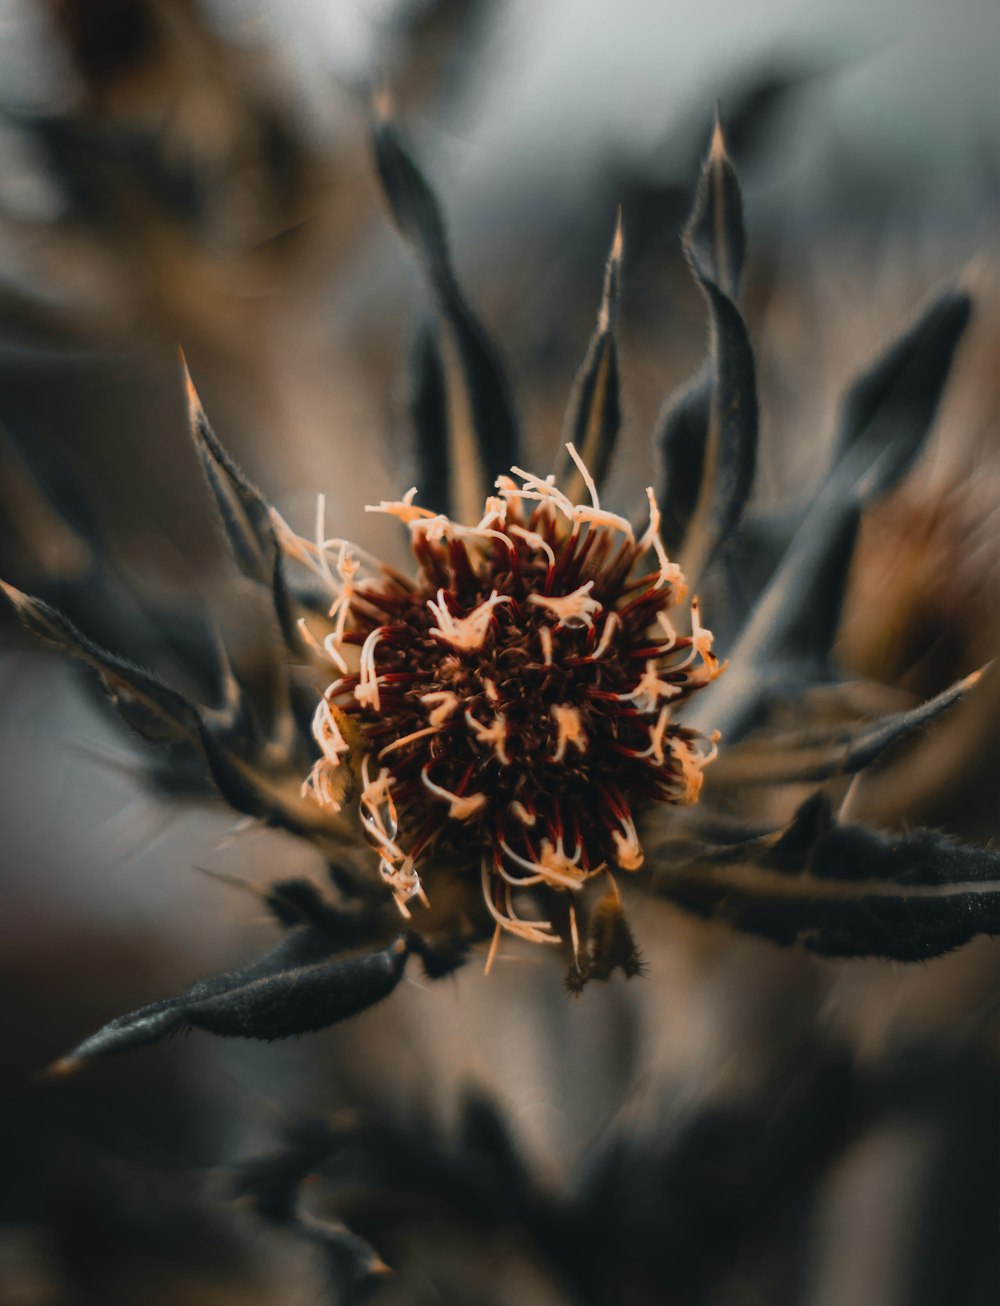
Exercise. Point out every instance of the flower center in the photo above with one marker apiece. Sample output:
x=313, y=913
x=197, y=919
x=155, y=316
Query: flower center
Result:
x=515, y=699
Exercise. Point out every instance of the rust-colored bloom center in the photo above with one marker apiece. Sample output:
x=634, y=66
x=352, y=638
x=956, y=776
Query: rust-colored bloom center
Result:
x=515, y=700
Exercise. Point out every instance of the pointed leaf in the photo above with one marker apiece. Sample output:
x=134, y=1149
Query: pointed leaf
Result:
x=713, y=426
x=594, y=415
x=353, y=1266
x=841, y=890
x=890, y=408
x=295, y=989
x=819, y=754
x=152, y=708
x=245, y=514
x=886, y=418
x=162, y=715
x=680, y=442
x=715, y=238
x=482, y=428
x=429, y=412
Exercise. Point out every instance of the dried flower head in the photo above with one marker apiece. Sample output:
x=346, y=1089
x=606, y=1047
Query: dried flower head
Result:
x=479, y=746
x=513, y=704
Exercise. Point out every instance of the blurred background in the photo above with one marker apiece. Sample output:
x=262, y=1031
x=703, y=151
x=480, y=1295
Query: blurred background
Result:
x=197, y=173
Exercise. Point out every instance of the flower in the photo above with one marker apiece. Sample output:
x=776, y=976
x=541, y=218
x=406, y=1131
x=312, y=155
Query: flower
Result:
x=514, y=702
x=500, y=726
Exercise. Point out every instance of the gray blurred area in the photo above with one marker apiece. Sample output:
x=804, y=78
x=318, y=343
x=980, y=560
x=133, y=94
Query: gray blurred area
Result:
x=197, y=174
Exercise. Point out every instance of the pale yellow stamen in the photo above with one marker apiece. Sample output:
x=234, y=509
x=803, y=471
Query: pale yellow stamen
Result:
x=494, y=948
x=347, y=569
x=520, y=813
x=545, y=639
x=692, y=766
x=628, y=849
x=405, y=509
x=553, y=867
x=701, y=640
x=324, y=784
x=466, y=633
x=494, y=509
x=569, y=725
x=407, y=739
x=534, y=931
x=447, y=704
x=462, y=807
x=404, y=882
x=670, y=573
x=535, y=541
x=378, y=811
x=588, y=480
x=495, y=735
x=656, y=735
x=327, y=650
x=575, y=607
x=366, y=691
x=650, y=689
x=601, y=517
x=327, y=733
x=610, y=626
x=667, y=627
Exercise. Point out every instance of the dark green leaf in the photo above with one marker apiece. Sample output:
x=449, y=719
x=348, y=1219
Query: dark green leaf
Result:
x=296, y=988
x=483, y=437
x=715, y=238
x=245, y=514
x=152, y=708
x=594, y=415
x=680, y=442
x=890, y=408
x=841, y=890
x=708, y=437
x=819, y=754
x=887, y=416
x=429, y=411
x=164, y=716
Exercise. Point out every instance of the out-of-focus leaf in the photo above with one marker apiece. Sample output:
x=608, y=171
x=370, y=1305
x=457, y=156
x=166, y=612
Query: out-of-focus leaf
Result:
x=889, y=409
x=609, y=946
x=840, y=890
x=594, y=415
x=296, y=988
x=715, y=238
x=245, y=513
x=353, y=1266
x=812, y=634
x=483, y=437
x=150, y=706
x=429, y=412
x=886, y=417
x=708, y=437
x=162, y=715
x=814, y=755
x=680, y=441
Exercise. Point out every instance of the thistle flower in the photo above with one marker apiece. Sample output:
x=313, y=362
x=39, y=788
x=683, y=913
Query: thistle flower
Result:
x=472, y=746
x=514, y=704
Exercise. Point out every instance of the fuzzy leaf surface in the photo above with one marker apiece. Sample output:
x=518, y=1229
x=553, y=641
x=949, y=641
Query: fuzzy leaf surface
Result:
x=708, y=436
x=594, y=416
x=296, y=988
x=818, y=754
x=840, y=890
x=245, y=514
x=486, y=395
x=162, y=715
x=886, y=418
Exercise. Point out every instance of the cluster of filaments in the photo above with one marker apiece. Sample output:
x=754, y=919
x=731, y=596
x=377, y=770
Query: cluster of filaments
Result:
x=516, y=700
